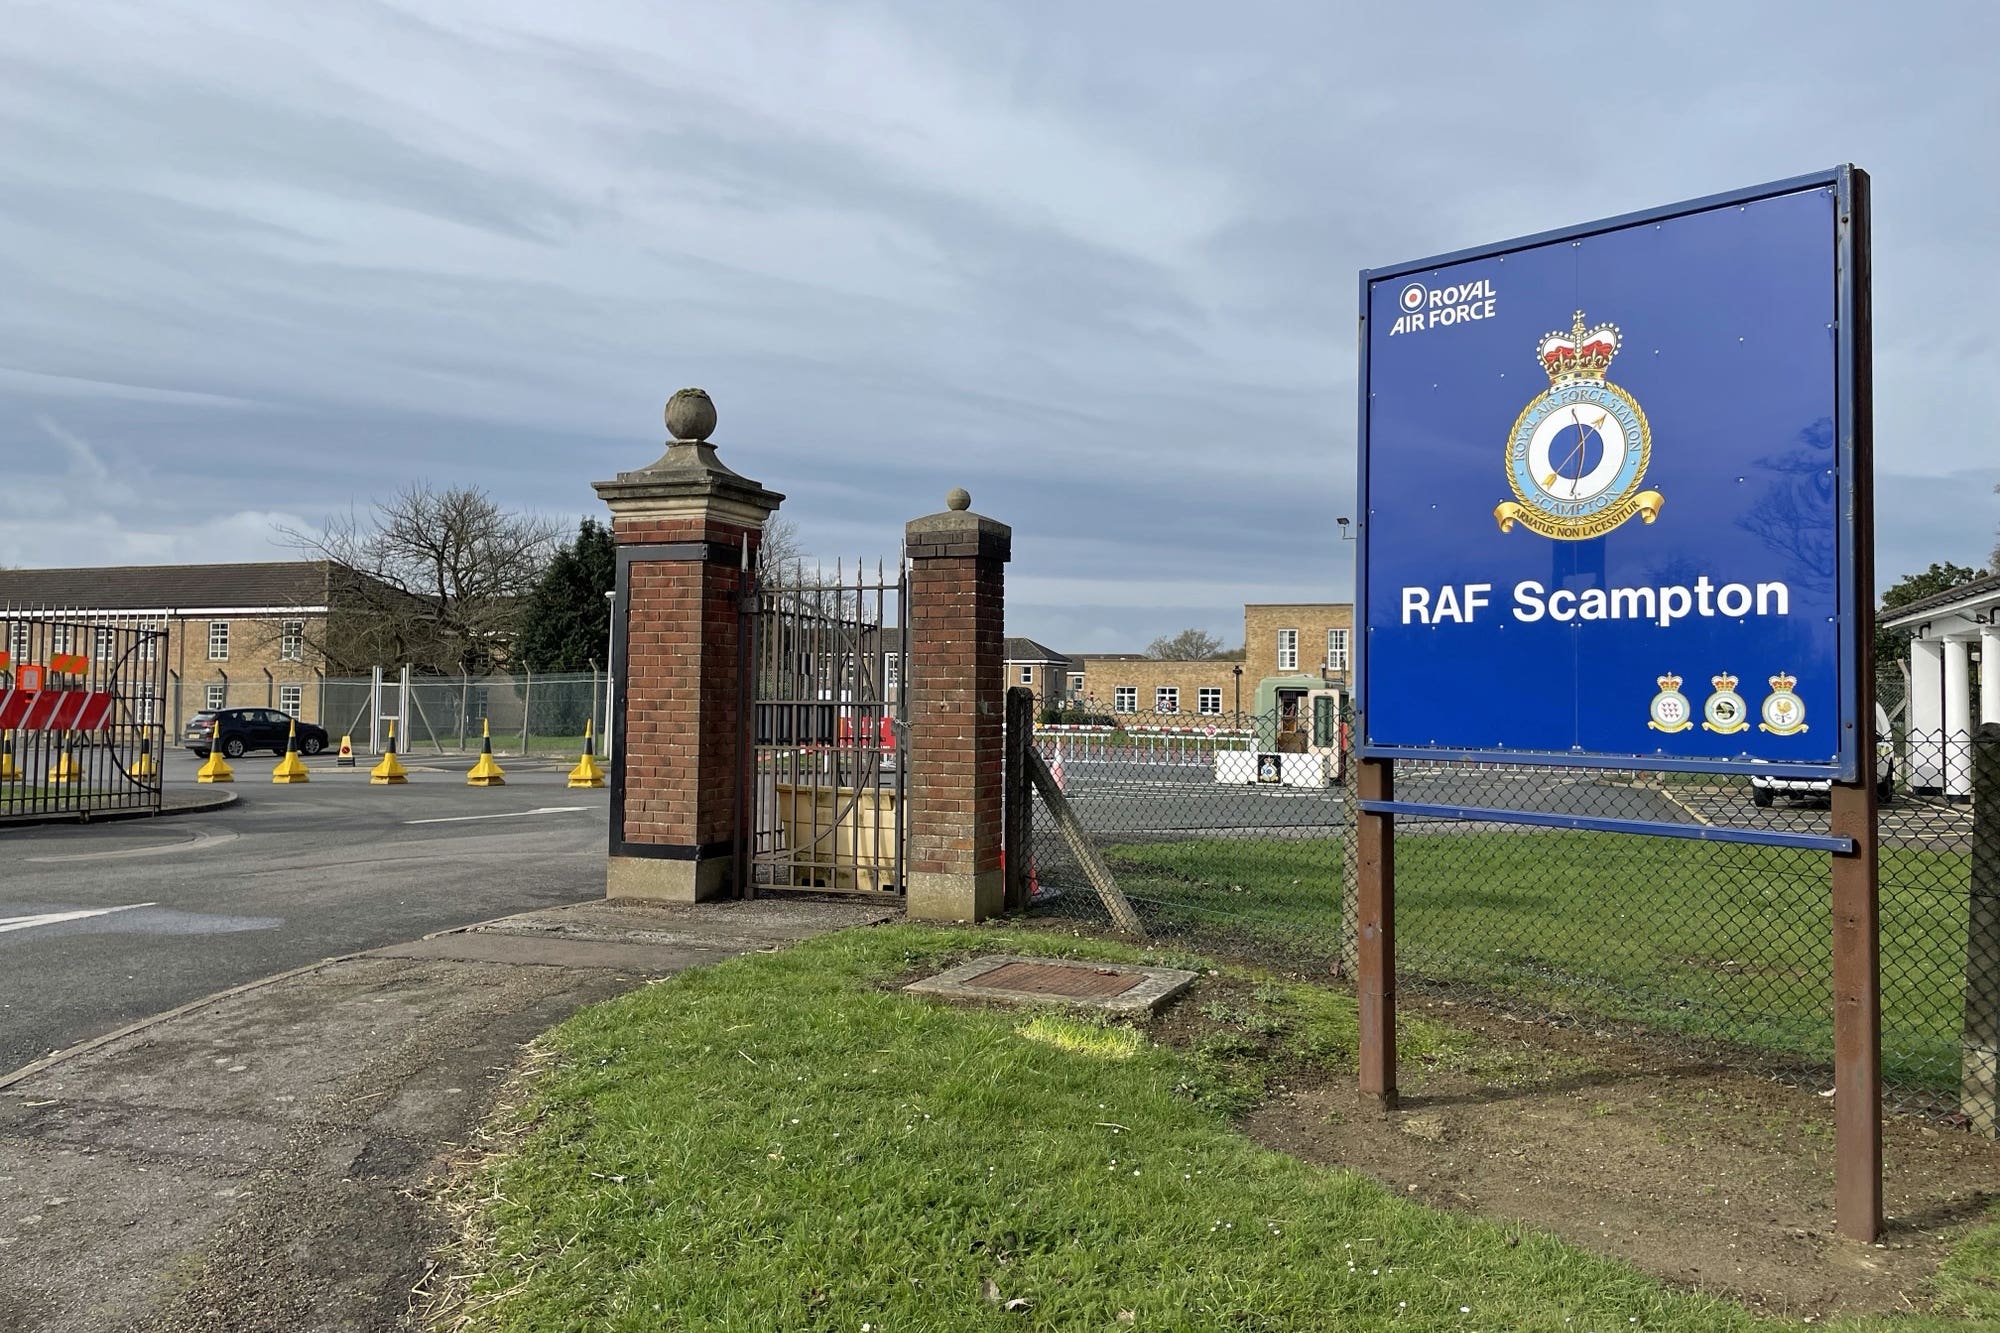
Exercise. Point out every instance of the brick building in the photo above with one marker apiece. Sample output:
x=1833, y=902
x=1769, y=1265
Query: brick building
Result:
x=1290, y=651
x=1039, y=668
x=236, y=635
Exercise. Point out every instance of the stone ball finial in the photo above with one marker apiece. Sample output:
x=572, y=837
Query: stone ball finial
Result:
x=958, y=499
x=690, y=415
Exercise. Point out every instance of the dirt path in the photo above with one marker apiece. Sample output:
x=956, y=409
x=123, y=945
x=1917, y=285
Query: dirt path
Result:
x=1704, y=1176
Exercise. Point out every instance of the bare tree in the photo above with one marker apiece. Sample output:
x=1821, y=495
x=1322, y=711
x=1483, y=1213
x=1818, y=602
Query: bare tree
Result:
x=430, y=577
x=1190, y=645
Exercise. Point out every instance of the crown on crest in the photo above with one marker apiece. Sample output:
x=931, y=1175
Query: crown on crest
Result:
x=1783, y=682
x=1581, y=355
x=1669, y=683
x=1724, y=682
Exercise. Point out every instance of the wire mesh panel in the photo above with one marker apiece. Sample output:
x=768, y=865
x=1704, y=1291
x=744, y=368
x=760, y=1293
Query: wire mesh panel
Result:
x=1229, y=831
x=83, y=709
x=822, y=752
x=1720, y=943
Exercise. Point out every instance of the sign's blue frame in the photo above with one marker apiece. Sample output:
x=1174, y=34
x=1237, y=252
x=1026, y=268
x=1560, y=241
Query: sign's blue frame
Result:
x=1854, y=731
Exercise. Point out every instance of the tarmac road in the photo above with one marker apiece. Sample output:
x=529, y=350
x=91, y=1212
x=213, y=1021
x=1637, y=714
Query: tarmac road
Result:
x=181, y=907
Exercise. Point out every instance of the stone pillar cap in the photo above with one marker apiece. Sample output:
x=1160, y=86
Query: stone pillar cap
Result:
x=688, y=475
x=957, y=531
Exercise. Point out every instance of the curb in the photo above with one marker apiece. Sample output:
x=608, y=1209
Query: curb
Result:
x=221, y=800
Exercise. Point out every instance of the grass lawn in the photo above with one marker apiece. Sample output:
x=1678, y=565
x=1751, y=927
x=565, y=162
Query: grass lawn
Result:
x=1712, y=939
x=783, y=1142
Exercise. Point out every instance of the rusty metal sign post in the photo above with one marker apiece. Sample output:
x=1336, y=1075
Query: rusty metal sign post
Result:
x=1703, y=508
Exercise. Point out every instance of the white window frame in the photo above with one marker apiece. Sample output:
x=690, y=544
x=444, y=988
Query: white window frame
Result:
x=1076, y=682
x=291, y=700
x=1288, y=650
x=1027, y=675
x=892, y=670
x=58, y=639
x=143, y=704
x=1208, y=701
x=1336, y=649
x=1125, y=699
x=17, y=643
x=103, y=644
x=218, y=638
x=291, y=641
x=1166, y=698
x=216, y=695
x=149, y=646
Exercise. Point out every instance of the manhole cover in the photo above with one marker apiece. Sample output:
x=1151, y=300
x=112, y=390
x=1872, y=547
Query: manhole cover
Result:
x=1113, y=988
x=1056, y=979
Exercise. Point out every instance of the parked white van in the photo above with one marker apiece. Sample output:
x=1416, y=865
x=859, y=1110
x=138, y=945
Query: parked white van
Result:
x=1764, y=790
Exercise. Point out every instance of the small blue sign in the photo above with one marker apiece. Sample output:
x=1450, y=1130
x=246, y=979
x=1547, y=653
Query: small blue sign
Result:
x=1605, y=485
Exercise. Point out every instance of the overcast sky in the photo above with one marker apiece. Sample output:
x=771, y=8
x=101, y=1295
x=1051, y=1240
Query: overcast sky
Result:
x=1094, y=262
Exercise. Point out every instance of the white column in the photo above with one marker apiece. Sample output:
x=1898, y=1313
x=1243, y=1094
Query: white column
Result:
x=1989, y=673
x=1958, y=718
x=1926, y=760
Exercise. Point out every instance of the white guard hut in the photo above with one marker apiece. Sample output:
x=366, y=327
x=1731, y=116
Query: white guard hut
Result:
x=1951, y=630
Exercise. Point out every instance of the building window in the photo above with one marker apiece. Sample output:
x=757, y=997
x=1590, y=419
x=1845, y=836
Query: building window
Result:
x=1167, y=699
x=892, y=670
x=1336, y=650
x=1076, y=682
x=1027, y=675
x=1209, y=700
x=58, y=639
x=149, y=645
x=290, y=698
x=292, y=641
x=142, y=707
x=20, y=644
x=218, y=695
x=1125, y=699
x=1288, y=650
x=218, y=641
x=105, y=644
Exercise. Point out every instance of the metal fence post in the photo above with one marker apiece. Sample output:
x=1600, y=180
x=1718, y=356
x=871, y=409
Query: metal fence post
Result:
x=527, y=703
x=1014, y=839
x=464, y=696
x=1979, y=1085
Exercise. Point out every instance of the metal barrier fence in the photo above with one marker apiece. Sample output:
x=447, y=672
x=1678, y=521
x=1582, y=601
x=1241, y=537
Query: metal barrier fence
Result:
x=82, y=713
x=1722, y=944
x=529, y=713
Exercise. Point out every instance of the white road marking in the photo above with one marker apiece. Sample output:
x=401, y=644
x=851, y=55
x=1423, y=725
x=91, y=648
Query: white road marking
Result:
x=200, y=839
x=510, y=814
x=8, y=923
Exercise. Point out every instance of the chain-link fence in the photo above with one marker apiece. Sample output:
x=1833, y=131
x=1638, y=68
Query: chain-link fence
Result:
x=1722, y=943
x=529, y=713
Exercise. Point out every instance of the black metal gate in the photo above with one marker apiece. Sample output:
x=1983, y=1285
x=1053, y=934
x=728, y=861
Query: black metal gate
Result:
x=82, y=712
x=822, y=747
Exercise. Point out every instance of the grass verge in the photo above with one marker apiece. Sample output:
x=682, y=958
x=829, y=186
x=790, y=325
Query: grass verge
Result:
x=785, y=1142
x=1704, y=939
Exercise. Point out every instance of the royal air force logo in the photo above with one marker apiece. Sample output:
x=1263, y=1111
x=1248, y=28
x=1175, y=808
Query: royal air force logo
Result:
x=1784, y=711
x=1725, y=712
x=1578, y=453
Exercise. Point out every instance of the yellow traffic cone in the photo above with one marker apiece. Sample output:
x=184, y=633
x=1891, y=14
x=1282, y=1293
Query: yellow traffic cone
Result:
x=216, y=769
x=587, y=773
x=146, y=766
x=9, y=770
x=486, y=773
x=66, y=769
x=388, y=772
x=291, y=768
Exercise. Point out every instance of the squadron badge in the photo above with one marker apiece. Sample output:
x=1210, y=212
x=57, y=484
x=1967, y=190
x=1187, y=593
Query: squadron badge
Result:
x=1578, y=452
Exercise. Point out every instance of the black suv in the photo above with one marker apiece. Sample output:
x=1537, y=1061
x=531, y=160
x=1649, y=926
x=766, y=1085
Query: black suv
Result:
x=248, y=729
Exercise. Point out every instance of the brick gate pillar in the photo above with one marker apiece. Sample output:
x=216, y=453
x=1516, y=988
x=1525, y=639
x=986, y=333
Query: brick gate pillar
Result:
x=957, y=712
x=686, y=528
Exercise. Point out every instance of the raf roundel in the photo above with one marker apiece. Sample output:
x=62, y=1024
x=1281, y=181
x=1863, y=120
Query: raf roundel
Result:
x=1412, y=298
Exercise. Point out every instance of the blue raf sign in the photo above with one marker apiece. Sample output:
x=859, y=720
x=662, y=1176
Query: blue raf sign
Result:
x=1605, y=484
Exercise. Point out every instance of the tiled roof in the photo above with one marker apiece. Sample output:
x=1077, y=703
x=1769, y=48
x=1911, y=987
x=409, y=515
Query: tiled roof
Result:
x=1027, y=650
x=279, y=584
